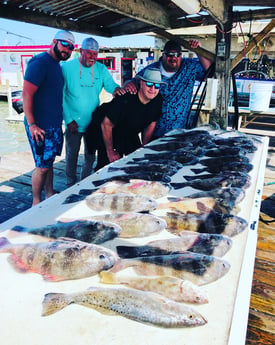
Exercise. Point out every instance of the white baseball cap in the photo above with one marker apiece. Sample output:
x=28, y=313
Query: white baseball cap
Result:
x=65, y=35
x=90, y=44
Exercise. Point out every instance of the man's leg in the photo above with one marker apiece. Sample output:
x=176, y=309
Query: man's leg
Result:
x=89, y=159
x=49, y=184
x=73, y=141
x=39, y=177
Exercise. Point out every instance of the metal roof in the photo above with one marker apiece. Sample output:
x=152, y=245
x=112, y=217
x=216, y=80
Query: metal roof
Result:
x=120, y=17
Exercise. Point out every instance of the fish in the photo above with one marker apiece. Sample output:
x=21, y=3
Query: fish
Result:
x=150, y=167
x=91, y=231
x=153, y=189
x=134, y=224
x=211, y=161
x=182, y=156
x=224, y=150
x=198, y=268
x=176, y=289
x=171, y=145
x=141, y=162
x=121, y=202
x=62, y=259
x=203, y=243
x=188, y=205
x=211, y=223
x=224, y=180
x=225, y=166
x=242, y=141
x=145, y=307
x=149, y=176
x=214, y=175
x=226, y=199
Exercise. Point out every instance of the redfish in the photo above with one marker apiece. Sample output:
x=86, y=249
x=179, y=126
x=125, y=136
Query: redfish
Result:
x=121, y=202
x=141, y=306
x=177, y=289
x=63, y=259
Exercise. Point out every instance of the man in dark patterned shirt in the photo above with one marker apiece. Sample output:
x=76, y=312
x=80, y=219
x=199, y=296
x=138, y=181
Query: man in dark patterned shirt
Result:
x=180, y=75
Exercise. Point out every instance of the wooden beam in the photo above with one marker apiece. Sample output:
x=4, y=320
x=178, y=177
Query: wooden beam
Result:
x=216, y=8
x=199, y=51
x=252, y=44
x=36, y=17
x=146, y=11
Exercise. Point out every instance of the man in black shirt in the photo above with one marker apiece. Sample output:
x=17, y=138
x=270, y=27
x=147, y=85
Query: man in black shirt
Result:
x=126, y=116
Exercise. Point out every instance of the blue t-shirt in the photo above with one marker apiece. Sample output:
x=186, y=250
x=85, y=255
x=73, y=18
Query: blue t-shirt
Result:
x=177, y=95
x=45, y=72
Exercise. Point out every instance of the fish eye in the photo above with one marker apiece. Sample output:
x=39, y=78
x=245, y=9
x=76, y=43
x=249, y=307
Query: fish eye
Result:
x=190, y=316
x=101, y=256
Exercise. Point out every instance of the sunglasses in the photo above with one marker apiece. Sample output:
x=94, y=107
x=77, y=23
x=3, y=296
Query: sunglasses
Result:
x=172, y=54
x=66, y=44
x=150, y=84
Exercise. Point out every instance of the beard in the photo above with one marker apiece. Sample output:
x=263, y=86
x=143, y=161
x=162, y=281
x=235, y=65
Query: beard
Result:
x=62, y=56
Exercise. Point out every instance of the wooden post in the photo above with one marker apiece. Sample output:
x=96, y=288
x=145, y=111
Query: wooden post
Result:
x=223, y=44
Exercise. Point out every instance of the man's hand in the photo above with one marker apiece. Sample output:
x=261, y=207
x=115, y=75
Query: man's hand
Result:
x=119, y=91
x=72, y=127
x=130, y=87
x=194, y=44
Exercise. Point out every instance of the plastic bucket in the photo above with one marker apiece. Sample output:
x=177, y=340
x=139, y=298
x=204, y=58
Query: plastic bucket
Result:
x=260, y=94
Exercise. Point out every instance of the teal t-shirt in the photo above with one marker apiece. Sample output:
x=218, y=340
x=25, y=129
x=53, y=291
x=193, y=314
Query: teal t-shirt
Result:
x=82, y=87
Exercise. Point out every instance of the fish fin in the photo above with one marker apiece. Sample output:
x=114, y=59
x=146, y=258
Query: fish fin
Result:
x=53, y=302
x=86, y=192
x=113, y=169
x=173, y=198
x=108, y=277
x=4, y=242
x=19, y=228
x=18, y=265
x=203, y=208
x=73, y=198
x=50, y=278
x=198, y=171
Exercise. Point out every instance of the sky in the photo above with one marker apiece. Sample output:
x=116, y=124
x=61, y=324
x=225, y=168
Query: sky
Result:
x=20, y=33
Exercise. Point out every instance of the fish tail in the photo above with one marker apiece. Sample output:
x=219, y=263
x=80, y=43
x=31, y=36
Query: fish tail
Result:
x=54, y=302
x=198, y=171
x=178, y=185
x=4, y=242
x=19, y=228
x=108, y=278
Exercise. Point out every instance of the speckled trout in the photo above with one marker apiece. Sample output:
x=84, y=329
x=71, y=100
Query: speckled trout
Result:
x=198, y=268
x=177, y=289
x=63, y=259
x=121, y=202
x=147, y=307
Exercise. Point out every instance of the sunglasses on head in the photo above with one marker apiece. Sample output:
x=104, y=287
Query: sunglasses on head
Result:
x=67, y=44
x=150, y=84
x=172, y=54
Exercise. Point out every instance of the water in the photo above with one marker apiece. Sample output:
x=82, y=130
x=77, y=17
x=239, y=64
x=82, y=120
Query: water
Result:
x=12, y=134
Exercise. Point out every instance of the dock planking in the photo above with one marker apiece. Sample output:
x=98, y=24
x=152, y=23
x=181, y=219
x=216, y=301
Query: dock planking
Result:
x=15, y=197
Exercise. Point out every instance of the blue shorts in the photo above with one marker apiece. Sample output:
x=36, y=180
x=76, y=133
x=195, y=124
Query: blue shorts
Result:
x=52, y=148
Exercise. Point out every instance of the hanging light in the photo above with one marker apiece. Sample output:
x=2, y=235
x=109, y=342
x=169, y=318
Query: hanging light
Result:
x=189, y=6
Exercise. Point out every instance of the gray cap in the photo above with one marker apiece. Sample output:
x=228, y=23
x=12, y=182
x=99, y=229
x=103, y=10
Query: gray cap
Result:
x=90, y=44
x=65, y=35
x=152, y=75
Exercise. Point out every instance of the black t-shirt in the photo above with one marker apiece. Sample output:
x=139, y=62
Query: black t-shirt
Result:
x=130, y=117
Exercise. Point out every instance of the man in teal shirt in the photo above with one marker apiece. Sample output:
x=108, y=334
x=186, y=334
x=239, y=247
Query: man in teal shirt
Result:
x=84, y=80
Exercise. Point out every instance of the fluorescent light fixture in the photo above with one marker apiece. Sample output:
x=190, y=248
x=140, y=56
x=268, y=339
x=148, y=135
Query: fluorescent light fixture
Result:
x=189, y=6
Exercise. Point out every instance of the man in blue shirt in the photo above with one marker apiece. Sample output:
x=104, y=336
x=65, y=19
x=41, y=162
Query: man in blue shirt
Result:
x=42, y=103
x=179, y=74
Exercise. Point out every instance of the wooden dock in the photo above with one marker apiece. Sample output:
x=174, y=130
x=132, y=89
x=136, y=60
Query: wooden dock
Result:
x=15, y=197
